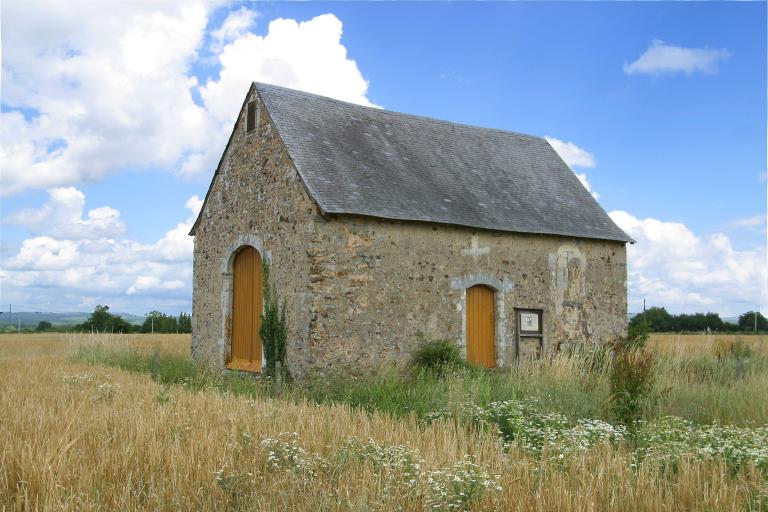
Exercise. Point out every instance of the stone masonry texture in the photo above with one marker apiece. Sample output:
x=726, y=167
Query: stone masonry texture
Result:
x=363, y=291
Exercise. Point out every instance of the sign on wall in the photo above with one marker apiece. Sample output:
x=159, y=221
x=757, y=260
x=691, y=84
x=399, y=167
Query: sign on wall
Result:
x=529, y=321
x=530, y=338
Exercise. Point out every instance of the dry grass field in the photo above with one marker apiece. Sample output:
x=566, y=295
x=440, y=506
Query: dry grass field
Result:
x=80, y=437
x=711, y=344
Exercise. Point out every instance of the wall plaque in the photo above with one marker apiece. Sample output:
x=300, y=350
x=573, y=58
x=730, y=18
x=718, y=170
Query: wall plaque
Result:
x=529, y=322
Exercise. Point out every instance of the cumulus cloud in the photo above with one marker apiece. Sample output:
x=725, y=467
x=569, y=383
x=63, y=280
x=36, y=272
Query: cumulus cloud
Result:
x=572, y=154
x=176, y=244
x=673, y=267
x=661, y=57
x=234, y=26
x=96, y=87
x=575, y=156
x=99, y=264
x=62, y=217
x=307, y=55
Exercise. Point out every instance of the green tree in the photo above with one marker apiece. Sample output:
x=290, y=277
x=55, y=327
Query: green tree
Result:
x=119, y=324
x=155, y=321
x=185, y=323
x=747, y=321
x=44, y=325
x=654, y=319
x=101, y=320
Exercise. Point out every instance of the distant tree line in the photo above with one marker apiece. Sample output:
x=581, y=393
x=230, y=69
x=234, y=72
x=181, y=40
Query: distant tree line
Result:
x=101, y=320
x=156, y=321
x=659, y=320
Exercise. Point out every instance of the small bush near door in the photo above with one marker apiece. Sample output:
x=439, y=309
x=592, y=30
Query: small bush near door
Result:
x=273, y=329
x=436, y=356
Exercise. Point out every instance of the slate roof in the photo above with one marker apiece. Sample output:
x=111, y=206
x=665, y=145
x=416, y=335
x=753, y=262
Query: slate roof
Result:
x=369, y=161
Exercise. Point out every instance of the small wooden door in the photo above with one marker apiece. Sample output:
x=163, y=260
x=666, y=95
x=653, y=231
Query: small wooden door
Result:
x=481, y=326
x=246, y=311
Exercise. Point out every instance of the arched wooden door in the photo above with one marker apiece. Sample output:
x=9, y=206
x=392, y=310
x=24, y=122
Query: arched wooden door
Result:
x=246, y=311
x=481, y=326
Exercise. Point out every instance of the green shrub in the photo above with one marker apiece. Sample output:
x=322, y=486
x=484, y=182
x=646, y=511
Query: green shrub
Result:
x=631, y=379
x=273, y=329
x=43, y=325
x=637, y=336
x=437, y=356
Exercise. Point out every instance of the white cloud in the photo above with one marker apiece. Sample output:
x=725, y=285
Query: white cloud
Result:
x=762, y=177
x=572, y=154
x=308, y=56
x=587, y=185
x=234, y=26
x=62, y=217
x=152, y=283
x=665, y=58
x=673, y=267
x=57, y=266
x=575, y=156
x=97, y=87
x=176, y=244
x=755, y=221
x=108, y=84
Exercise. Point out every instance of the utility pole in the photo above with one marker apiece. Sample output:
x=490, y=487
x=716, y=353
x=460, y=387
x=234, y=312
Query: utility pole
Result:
x=755, y=321
x=153, y=324
x=10, y=314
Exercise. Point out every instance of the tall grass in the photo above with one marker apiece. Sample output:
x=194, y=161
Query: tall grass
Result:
x=698, y=384
x=76, y=436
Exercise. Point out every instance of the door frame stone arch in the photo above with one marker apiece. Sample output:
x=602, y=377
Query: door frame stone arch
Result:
x=501, y=288
x=227, y=290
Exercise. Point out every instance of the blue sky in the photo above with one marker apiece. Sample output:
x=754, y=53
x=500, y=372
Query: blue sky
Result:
x=659, y=106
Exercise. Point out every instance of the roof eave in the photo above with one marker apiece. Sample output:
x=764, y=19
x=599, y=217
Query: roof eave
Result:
x=625, y=239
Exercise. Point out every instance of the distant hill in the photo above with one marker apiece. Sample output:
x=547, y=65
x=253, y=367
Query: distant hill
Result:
x=30, y=319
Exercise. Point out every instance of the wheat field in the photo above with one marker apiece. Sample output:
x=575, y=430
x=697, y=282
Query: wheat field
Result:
x=78, y=437
x=674, y=344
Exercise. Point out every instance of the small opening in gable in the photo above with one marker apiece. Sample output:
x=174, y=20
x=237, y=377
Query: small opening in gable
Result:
x=250, y=121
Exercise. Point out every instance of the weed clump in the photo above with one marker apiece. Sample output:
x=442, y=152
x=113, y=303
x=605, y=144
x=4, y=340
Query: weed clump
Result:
x=437, y=356
x=273, y=330
x=631, y=380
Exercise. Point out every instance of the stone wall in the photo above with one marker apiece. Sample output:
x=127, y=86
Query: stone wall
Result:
x=359, y=290
x=377, y=283
x=256, y=199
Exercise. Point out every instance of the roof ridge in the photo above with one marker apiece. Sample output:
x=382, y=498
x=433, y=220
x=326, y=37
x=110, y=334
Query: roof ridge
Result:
x=258, y=85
